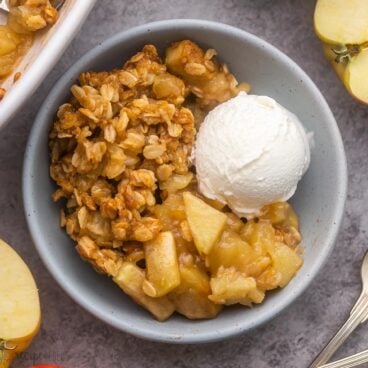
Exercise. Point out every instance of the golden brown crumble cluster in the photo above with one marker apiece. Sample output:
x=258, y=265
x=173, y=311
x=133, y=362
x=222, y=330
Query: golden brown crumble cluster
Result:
x=114, y=144
x=31, y=15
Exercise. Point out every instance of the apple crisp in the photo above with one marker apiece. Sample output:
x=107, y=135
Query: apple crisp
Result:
x=120, y=155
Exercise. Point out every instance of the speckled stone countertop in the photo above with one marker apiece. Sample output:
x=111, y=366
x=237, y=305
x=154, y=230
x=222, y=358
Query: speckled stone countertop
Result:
x=73, y=338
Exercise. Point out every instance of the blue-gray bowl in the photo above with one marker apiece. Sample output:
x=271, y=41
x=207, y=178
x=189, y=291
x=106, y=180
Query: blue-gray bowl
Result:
x=319, y=199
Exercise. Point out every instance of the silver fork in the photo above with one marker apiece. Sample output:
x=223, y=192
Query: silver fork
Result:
x=349, y=362
x=358, y=315
x=57, y=4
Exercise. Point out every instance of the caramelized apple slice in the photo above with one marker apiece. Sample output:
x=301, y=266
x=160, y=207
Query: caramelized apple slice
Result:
x=205, y=222
x=231, y=250
x=130, y=278
x=191, y=297
x=342, y=21
x=162, y=265
x=231, y=287
x=285, y=261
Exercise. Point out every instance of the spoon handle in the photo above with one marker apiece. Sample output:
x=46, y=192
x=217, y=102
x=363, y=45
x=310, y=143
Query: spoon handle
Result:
x=349, y=362
x=357, y=316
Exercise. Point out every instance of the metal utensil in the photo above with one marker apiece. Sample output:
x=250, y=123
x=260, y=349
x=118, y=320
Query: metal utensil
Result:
x=349, y=362
x=358, y=315
x=57, y=4
x=4, y=5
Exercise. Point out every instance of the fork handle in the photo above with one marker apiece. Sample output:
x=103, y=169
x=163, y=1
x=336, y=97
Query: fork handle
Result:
x=357, y=316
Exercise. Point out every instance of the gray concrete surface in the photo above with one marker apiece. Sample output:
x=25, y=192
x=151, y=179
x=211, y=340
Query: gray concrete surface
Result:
x=73, y=338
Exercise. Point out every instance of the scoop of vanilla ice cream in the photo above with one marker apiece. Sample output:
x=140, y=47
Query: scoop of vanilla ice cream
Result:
x=250, y=152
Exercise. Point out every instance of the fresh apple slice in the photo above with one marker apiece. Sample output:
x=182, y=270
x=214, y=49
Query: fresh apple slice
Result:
x=342, y=21
x=356, y=76
x=351, y=72
x=20, y=312
x=206, y=223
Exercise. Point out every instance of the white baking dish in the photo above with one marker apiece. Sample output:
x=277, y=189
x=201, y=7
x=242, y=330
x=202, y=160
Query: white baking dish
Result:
x=44, y=54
